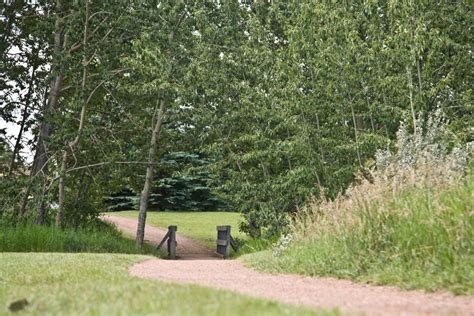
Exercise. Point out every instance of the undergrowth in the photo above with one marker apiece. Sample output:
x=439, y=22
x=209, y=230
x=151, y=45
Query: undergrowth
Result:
x=252, y=245
x=101, y=238
x=410, y=223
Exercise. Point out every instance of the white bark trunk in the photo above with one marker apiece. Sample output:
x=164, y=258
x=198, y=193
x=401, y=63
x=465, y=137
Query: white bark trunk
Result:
x=149, y=175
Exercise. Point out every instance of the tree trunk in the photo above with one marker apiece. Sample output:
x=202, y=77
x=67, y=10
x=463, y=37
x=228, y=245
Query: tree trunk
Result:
x=410, y=95
x=418, y=69
x=16, y=149
x=356, y=134
x=149, y=175
x=41, y=155
x=40, y=162
x=354, y=125
x=75, y=142
x=62, y=190
x=319, y=138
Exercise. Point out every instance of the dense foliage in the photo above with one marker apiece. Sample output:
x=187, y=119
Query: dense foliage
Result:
x=414, y=216
x=286, y=99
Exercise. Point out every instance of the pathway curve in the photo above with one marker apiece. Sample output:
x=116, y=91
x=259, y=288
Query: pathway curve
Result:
x=316, y=293
x=186, y=249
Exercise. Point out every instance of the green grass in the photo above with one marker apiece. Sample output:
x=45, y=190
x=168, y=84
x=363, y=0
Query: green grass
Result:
x=98, y=238
x=98, y=284
x=420, y=238
x=197, y=225
x=252, y=245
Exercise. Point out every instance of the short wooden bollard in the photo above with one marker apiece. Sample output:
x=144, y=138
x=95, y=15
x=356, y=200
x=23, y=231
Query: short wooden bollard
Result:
x=172, y=242
x=170, y=238
x=224, y=240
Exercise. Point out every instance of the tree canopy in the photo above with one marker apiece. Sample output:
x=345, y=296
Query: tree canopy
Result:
x=286, y=100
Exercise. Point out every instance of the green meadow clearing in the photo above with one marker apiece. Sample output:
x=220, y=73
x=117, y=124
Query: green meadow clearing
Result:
x=197, y=225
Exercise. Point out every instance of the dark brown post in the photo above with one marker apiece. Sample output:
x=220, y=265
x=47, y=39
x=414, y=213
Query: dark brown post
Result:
x=223, y=240
x=170, y=239
x=172, y=242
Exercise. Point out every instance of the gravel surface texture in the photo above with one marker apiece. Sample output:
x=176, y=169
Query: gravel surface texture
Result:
x=207, y=270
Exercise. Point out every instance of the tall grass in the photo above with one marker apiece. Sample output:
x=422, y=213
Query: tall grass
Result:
x=34, y=238
x=411, y=223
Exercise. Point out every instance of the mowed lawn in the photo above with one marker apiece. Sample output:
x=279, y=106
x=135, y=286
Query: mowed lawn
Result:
x=98, y=284
x=197, y=225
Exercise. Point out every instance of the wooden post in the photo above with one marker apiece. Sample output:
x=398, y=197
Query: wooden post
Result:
x=170, y=239
x=172, y=242
x=223, y=240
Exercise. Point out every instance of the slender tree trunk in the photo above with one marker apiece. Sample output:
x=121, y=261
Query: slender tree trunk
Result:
x=319, y=138
x=418, y=69
x=40, y=219
x=41, y=155
x=62, y=190
x=412, y=107
x=40, y=163
x=372, y=122
x=149, y=174
x=356, y=133
x=75, y=142
x=24, y=118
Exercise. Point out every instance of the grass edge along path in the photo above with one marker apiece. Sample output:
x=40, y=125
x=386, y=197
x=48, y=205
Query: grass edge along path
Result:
x=99, y=238
x=424, y=239
x=68, y=284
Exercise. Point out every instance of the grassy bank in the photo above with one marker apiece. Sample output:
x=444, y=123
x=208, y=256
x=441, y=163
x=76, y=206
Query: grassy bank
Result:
x=34, y=238
x=98, y=284
x=197, y=225
x=411, y=233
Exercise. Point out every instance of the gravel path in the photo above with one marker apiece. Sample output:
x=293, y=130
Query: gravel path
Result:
x=187, y=248
x=317, y=293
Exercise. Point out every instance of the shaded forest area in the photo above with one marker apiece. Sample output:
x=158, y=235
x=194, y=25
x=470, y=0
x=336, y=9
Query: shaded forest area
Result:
x=285, y=101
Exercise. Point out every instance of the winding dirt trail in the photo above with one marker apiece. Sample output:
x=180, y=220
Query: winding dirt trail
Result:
x=316, y=293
